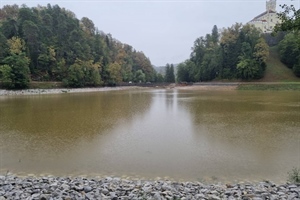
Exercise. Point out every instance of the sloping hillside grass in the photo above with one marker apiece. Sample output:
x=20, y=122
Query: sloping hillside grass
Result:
x=276, y=71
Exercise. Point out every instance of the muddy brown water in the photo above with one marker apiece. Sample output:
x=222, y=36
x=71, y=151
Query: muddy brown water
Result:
x=176, y=134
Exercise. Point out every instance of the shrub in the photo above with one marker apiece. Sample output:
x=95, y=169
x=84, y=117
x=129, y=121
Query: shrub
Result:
x=294, y=176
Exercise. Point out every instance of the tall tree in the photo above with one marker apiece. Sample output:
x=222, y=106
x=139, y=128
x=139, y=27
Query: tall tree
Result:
x=18, y=62
x=170, y=77
x=215, y=35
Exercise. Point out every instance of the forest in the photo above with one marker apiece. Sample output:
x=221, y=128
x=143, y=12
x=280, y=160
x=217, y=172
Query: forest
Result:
x=237, y=52
x=51, y=44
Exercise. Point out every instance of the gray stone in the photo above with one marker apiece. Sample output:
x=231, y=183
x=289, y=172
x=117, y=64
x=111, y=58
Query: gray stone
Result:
x=214, y=197
x=156, y=196
x=87, y=189
x=147, y=189
x=292, y=186
x=78, y=188
x=280, y=193
x=104, y=191
x=35, y=195
x=44, y=197
x=65, y=186
x=112, y=194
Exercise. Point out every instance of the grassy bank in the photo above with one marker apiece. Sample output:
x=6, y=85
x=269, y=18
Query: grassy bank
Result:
x=276, y=71
x=273, y=86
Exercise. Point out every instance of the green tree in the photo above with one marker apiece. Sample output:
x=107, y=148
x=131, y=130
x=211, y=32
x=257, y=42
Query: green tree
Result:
x=114, y=70
x=290, y=19
x=83, y=73
x=290, y=46
x=19, y=64
x=139, y=76
x=3, y=47
x=247, y=68
x=5, y=76
x=75, y=76
x=289, y=49
x=215, y=35
x=182, y=73
x=87, y=26
x=9, y=12
x=170, y=77
x=31, y=37
x=159, y=78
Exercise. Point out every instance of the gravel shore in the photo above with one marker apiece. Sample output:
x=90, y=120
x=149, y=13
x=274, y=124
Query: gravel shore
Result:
x=50, y=187
x=80, y=90
x=59, y=91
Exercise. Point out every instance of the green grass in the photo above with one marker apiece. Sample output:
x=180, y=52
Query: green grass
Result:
x=277, y=76
x=276, y=71
x=275, y=86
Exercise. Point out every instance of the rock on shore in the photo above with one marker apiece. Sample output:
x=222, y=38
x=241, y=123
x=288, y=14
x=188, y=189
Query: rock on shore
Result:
x=50, y=187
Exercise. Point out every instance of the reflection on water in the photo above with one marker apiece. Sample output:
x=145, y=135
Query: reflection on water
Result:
x=194, y=135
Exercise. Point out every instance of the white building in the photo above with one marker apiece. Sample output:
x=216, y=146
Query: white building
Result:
x=267, y=20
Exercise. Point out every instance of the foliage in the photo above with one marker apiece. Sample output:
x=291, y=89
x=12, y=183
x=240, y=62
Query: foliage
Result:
x=289, y=50
x=83, y=73
x=159, y=78
x=237, y=52
x=186, y=71
x=16, y=45
x=290, y=19
x=139, y=76
x=170, y=77
x=289, y=47
x=294, y=176
x=114, y=70
x=5, y=76
x=54, y=40
x=247, y=68
x=19, y=73
x=15, y=72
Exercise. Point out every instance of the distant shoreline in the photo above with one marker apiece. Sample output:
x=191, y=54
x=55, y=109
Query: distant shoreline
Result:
x=213, y=86
x=60, y=90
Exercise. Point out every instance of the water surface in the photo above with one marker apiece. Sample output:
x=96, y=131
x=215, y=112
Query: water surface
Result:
x=182, y=135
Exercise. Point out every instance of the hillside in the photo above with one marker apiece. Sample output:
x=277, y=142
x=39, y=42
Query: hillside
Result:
x=50, y=44
x=276, y=71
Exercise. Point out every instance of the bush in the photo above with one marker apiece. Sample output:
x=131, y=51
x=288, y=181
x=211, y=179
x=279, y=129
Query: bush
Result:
x=19, y=73
x=294, y=176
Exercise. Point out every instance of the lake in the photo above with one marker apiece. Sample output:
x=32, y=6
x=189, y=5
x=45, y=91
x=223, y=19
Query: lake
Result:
x=209, y=136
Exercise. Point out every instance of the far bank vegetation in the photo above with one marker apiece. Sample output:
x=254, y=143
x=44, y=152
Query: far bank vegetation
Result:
x=50, y=44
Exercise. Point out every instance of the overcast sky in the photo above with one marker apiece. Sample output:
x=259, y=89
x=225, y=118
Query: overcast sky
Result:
x=163, y=29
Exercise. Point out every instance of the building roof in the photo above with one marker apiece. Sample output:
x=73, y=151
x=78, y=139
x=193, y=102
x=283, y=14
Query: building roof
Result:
x=262, y=14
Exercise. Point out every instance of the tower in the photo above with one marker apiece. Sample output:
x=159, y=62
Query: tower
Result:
x=271, y=5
